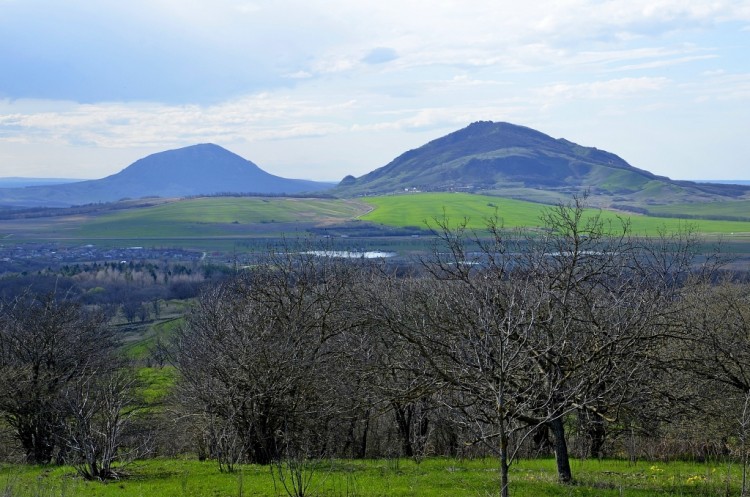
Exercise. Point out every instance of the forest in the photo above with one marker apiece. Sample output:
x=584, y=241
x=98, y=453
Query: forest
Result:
x=576, y=340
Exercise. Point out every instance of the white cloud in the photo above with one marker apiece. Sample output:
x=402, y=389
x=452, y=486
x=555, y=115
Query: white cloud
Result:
x=720, y=86
x=609, y=90
x=116, y=125
x=666, y=62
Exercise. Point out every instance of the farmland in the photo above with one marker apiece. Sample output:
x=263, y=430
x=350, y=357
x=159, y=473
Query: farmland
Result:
x=199, y=222
x=416, y=210
x=716, y=210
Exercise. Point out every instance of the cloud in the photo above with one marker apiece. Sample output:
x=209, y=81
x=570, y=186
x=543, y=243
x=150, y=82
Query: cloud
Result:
x=608, y=90
x=206, y=52
x=118, y=125
x=719, y=86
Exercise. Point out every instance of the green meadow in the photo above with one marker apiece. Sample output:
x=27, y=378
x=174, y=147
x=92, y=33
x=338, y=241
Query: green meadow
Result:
x=216, y=216
x=735, y=209
x=432, y=477
x=220, y=223
x=425, y=208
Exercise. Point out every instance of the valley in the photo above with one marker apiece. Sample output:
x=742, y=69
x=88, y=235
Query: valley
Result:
x=373, y=313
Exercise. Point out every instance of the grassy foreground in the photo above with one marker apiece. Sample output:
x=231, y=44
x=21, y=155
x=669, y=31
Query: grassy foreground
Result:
x=433, y=477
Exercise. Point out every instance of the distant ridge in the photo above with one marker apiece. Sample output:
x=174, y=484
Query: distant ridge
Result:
x=724, y=181
x=499, y=157
x=204, y=169
x=22, y=182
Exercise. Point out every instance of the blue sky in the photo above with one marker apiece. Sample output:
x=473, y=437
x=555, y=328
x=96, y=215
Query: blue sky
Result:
x=324, y=88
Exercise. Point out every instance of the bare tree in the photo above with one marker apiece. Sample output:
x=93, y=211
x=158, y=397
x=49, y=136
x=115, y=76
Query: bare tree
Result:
x=712, y=355
x=99, y=409
x=526, y=330
x=469, y=327
x=716, y=326
x=259, y=351
x=47, y=344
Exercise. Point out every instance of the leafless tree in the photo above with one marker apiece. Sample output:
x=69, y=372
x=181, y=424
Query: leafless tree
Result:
x=99, y=409
x=469, y=328
x=47, y=344
x=259, y=351
x=712, y=356
x=525, y=330
x=716, y=326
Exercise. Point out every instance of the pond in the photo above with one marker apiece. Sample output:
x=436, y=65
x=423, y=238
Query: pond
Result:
x=348, y=254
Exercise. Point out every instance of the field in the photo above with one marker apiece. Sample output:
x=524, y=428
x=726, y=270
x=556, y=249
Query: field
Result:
x=423, y=209
x=210, y=216
x=737, y=209
x=379, y=478
x=214, y=217
x=242, y=223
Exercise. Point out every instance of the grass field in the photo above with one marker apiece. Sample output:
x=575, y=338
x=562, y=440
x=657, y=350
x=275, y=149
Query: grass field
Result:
x=235, y=223
x=423, y=209
x=738, y=209
x=381, y=478
x=216, y=216
x=189, y=219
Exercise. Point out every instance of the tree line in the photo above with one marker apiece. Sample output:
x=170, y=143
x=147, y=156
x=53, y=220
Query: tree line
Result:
x=578, y=339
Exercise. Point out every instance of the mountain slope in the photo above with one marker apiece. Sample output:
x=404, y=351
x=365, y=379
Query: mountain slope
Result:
x=196, y=170
x=489, y=156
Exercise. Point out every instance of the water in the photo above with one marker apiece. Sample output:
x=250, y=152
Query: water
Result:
x=348, y=254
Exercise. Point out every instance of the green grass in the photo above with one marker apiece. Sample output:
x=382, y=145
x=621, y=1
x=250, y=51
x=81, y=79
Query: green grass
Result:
x=214, y=216
x=140, y=346
x=156, y=383
x=231, y=224
x=738, y=209
x=422, y=210
x=378, y=478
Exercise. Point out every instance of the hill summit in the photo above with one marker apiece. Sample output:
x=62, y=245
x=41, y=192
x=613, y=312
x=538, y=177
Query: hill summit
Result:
x=503, y=157
x=203, y=169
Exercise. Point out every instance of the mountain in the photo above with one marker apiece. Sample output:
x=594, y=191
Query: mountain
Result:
x=20, y=182
x=196, y=170
x=503, y=157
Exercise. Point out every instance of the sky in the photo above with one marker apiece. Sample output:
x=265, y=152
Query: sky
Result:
x=320, y=89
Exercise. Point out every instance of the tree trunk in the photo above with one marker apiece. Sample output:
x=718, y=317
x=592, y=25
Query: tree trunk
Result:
x=362, y=450
x=403, y=415
x=37, y=442
x=503, y=460
x=598, y=435
x=561, y=451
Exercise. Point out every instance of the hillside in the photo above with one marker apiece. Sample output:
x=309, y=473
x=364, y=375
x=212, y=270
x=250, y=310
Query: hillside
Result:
x=195, y=170
x=513, y=160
